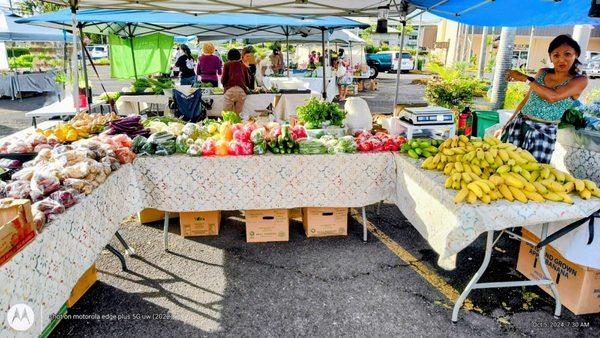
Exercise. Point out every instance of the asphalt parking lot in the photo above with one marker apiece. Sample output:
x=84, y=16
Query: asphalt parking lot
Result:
x=336, y=286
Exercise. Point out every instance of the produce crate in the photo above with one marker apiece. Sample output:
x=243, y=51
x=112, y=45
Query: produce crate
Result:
x=85, y=282
x=578, y=285
x=16, y=227
x=321, y=222
x=483, y=119
x=270, y=225
x=204, y=223
x=152, y=215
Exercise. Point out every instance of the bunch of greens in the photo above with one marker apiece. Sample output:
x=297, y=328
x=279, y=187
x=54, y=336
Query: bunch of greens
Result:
x=316, y=113
x=573, y=117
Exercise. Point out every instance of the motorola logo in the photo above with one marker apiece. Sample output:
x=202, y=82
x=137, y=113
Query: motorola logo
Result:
x=20, y=317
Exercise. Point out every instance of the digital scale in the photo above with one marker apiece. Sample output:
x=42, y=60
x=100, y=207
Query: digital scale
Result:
x=427, y=115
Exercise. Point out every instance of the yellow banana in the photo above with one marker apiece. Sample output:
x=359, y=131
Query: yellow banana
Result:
x=463, y=185
x=498, y=161
x=448, y=183
x=552, y=196
x=447, y=152
x=440, y=166
x=505, y=191
x=526, y=175
x=565, y=197
x=585, y=194
x=503, y=155
x=534, y=176
x=590, y=185
x=483, y=186
x=569, y=177
x=489, y=158
x=531, y=166
x=496, y=179
x=515, y=156
x=579, y=185
x=466, y=177
x=503, y=169
x=512, y=181
x=458, y=167
x=471, y=197
x=448, y=168
x=534, y=196
x=540, y=188
x=518, y=194
x=493, y=152
x=560, y=176
x=480, y=154
x=463, y=138
x=467, y=168
x=475, y=162
x=458, y=151
x=456, y=177
x=545, y=173
x=461, y=195
x=475, y=169
x=529, y=187
x=596, y=193
x=475, y=189
x=527, y=156
x=569, y=186
x=486, y=199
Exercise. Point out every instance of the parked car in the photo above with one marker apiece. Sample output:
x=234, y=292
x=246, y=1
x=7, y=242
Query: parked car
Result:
x=98, y=51
x=388, y=61
x=592, y=67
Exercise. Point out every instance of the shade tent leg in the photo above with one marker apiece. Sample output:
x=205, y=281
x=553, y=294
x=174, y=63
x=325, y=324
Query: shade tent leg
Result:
x=323, y=64
x=403, y=20
x=166, y=231
x=287, y=50
x=128, y=250
x=364, y=216
x=135, y=73
x=74, y=63
x=542, y=260
x=84, y=65
x=118, y=255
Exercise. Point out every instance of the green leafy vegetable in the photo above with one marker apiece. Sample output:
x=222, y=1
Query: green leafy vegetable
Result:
x=231, y=116
x=316, y=113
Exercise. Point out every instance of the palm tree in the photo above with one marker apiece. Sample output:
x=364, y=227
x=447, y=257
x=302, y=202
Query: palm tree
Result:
x=503, y=64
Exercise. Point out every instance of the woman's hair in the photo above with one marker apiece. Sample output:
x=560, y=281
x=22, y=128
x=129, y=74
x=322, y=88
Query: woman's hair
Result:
x=186, y=50
x=234, y=55
x=567, y=40
x=208, y=48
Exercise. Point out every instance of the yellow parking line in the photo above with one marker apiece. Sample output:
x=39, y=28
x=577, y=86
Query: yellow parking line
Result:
x=429, y=275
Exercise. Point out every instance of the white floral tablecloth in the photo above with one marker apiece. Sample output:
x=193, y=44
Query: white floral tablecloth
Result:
x=44, y=272
x=449, y=228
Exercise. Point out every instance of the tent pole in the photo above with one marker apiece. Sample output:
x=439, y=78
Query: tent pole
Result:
x=65, y=52
x=324, y=71
x=135, y=74
x=529, y=48
x=416, y=65
x=403, y=20
x=84, y=65
x=75, y=64
x=287, y=50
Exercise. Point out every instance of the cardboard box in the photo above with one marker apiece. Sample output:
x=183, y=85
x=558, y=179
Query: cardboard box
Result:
x=321, y=222
x=578, y=286
x=295, y=213
x=85, y=282
x=152, y=215
x=203, y=223
x=271, y=225
x=16, y=227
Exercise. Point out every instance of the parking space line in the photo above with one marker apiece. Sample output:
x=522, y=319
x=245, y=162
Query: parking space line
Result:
x=421, y=268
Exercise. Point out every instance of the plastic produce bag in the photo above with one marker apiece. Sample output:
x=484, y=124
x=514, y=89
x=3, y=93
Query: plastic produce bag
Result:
x=166, y=148
x=191, y=130
x=18, y=189
x=124, y=155
x=181, y=144
x=194, y=150
x=260, y=148
x=49, y=207
x=209, y=147
x=24, y=174
x=42, y=184
x=83, y=186
x=258, y=135
x=138, y=144
x=66, y=198
x=10, y=164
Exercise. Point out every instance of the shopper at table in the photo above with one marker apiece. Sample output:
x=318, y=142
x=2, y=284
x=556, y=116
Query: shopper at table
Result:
x=209, y=65
x=176, y=56
x=235, y=81
x=312, y=60
x=186, y=64
x=342, y=74
x=276, y=61
x=534, y=125
x=250, y=62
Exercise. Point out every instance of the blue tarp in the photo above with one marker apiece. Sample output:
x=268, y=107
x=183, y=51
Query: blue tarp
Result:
x=512, y=13
x=22, y=32
x=105, y=21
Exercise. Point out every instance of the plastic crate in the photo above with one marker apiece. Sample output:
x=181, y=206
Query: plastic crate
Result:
x=483, y=120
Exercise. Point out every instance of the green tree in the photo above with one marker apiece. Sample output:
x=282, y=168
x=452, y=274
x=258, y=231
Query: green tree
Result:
x=31, y=7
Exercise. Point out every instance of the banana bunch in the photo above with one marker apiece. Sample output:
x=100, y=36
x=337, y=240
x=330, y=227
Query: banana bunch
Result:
x=487, y=170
